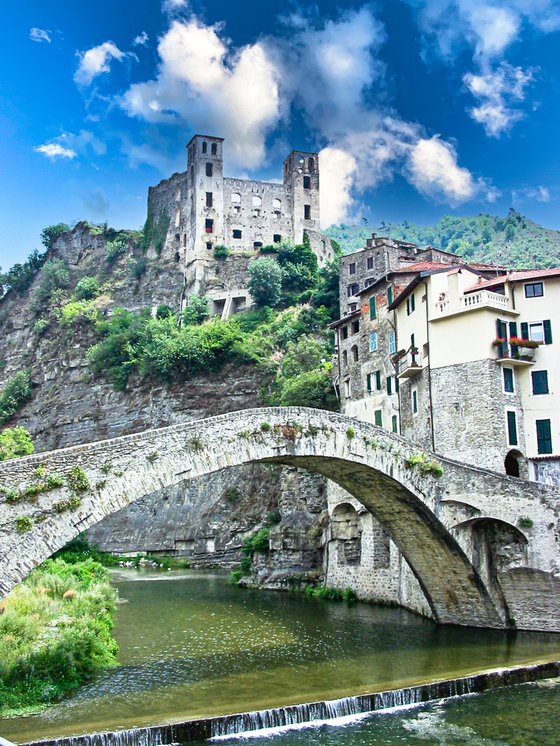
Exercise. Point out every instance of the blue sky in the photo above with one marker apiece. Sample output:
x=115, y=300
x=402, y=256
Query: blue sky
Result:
x=418, y=107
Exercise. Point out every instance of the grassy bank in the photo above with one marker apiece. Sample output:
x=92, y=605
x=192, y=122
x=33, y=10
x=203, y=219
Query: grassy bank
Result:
x=79, y=550
x=55, y=633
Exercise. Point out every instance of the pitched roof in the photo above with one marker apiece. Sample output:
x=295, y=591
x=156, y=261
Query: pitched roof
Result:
x=516, y=276
x=421, y=267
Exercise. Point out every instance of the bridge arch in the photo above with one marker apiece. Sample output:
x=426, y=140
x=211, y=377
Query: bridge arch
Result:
x=379, y=469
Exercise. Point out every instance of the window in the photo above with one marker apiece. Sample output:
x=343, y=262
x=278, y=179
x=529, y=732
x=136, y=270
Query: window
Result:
x=276, y=238
x=544, y=436
x=307, y=182
x=235, y=198
x=414, y=401
x=538, y=331
x=389, y=385
x=355, y=355
x=507, y=374
x=257, y=201
x=511, y=419
x=307, y=212
x=345, y=358
x=347, y=389
x=410, y=305
x=209, y=225
x=394, y=424
x=257, y=244
x=377, y=380
x=311, y=164
x=392, y=343
x=214, y=148
x=353, y=289
x=344, y=332
x=236, y=233
x=209, y=169
x=209, y=199
x=534, y=290
x=177, y=217
x=373, y=342
x=204, y=147
x=352, y=307
x=352, y=268
x=369, y=281
x=539, y=381
x=372, y=307
x=209, y=245
x=276, y=203
x=378, y=416
x=368, y=382
x=389, y=295
x=355, y=327
x=369, y=262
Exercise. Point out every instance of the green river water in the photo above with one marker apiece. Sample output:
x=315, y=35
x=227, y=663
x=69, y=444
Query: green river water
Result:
x=191, y=645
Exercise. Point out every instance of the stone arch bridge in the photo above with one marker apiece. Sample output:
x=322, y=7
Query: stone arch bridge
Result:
x=434, y=509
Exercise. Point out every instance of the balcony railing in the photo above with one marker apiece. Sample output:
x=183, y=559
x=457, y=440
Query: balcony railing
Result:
x=410, y=364
x=515, y=354
x=472, y=301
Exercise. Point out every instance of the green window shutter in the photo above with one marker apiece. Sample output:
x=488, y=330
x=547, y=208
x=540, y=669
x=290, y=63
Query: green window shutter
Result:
x=378, y=418
x=501, y=329
x=390, y=295
x=512, y=329
x=544, y=436
x=378, y=380
x=369, y=383
x=512, y=428
x=372, y=308
x=547, y=332
x=524, y=330
x=394, y=424
x=389, y=385
x=396, y=385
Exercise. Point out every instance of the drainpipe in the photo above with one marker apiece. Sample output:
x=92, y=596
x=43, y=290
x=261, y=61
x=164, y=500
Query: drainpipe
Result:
x=430, y=372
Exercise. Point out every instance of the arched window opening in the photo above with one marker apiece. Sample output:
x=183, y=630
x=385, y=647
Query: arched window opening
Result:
x=346, y=532
x=276, y=203
x=311, y=164
x=257, y=201
x=204, y=146
x=511, y=463
x=214, y=148
x=355, y=354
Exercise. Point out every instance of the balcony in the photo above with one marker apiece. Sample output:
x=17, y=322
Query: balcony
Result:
x=471, y=302
x=515, y=355
x=409, y=364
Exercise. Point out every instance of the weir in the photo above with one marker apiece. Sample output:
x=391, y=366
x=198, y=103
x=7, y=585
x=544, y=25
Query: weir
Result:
x=230, y=725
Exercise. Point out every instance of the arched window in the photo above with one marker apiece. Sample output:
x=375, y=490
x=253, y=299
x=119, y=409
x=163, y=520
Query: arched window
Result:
x=355, y=353
x=214, y=148
x=204, y=146
x=511, y=463
x=346, y=532
x=235, y=198
x=311, y=165
x=276, y=203
x=257, y=201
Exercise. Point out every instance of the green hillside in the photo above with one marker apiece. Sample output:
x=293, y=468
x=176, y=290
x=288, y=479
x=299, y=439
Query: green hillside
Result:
x=513, y=240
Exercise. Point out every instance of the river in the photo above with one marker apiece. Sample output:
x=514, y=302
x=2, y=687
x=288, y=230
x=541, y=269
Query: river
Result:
x=191, y=645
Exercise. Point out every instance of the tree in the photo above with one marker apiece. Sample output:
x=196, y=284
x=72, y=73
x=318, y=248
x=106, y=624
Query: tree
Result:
x=54, y=275
x=265, y=283
x=14, y=442
x=87, y=288
x=52, y=233
x=15, y=393
x=196, y=311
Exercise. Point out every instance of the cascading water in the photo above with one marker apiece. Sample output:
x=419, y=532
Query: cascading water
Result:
x=292, y=715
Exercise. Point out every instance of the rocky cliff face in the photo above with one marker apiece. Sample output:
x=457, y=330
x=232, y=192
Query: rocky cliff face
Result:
x=70, y=405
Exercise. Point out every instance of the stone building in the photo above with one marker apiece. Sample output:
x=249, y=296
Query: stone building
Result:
x=206, y=211
x=430, y=346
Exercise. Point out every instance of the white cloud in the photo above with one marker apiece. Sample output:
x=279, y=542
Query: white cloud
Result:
x=536, y=193
x=337, y=168
x=55, y=150
x=203, y=84
x=141, y=40
x=489, y=28
x=432, y=168
x=496, y=91
x=96, y=61
x=174, y=7
x=40, y=35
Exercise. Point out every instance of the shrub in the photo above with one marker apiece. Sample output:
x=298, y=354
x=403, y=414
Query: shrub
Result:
x=87, y=288
x=51, y=234
x=77, y=479
x=41, y=325
x=221, y=252
x=16, y=392
x=15, y=442
x=23, y=524
x=115, y=249
x=164, y=312
x=350, y=433
x=20, y=276
x=525, y=522
x=196, y=310
x=266, y=427
x=265, y=282
x=138, y=267
x=54, y=276
x=77, y=310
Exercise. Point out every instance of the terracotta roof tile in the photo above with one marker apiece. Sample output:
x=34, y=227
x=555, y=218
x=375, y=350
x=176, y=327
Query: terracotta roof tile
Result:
x=516, y=276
